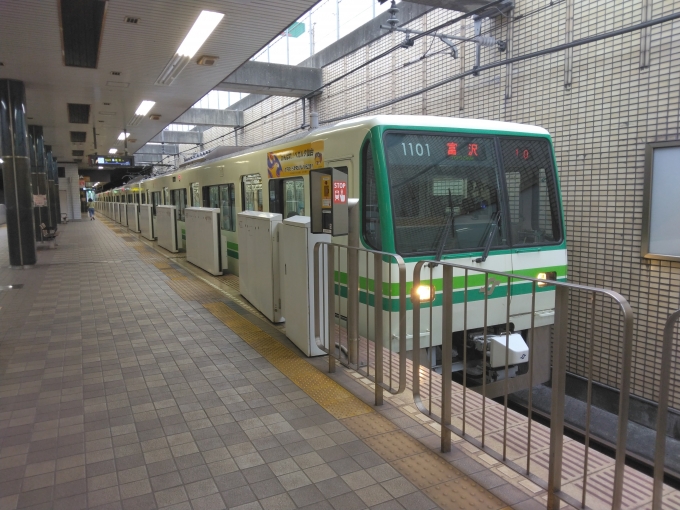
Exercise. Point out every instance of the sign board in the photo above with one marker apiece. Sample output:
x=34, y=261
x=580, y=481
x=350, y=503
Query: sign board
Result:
x=298, y=160
x=329, y=201
x=40, y=200
x=111, y=160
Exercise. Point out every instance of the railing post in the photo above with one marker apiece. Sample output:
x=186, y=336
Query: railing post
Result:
x=559, y=370
x=662, y=412
x=447, y=328
x=353, y=284
x=330, y=306
x=378, y=325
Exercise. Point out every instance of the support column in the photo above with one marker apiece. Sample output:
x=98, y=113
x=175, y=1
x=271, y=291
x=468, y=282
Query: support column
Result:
x=38, y=178
x=16, y=171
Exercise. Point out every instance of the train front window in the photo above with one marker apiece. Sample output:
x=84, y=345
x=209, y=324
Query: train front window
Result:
x=532, y=193
x=445, y=193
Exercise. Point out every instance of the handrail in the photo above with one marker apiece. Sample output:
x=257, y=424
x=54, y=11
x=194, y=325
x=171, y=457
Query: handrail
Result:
x=326, y=250
x=662, y=413
x=562, y=289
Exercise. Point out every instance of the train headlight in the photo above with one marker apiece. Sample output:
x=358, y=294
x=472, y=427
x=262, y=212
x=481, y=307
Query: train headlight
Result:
x=550, y=275
x=424, y=293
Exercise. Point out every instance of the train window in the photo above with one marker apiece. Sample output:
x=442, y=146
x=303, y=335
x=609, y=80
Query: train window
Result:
x=211, y=197
x=179, y=200
x=445, y=192
x=369, y=199
x=532, y=194
x=166, y=196
x=251, y=191
x=287, y=196
x=143, y=197
x=227, y=212
x=660, y=213
x=195, y=195
x=155, y=200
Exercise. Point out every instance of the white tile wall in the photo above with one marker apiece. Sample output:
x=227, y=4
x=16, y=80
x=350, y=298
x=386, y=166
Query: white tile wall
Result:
x=71, y=206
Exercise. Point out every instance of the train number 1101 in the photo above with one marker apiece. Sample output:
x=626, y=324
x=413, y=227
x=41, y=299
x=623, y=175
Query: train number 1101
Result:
x=419, y=151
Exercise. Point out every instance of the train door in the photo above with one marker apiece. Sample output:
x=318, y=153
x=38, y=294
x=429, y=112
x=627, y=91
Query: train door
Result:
x=178, y=198
x=166, y=196
x=155, y=202
x=228, y=241
x=287, y=196
x=195, y=194
x=251, y=193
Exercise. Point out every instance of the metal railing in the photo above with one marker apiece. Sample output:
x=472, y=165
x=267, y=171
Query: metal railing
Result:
x=662, y=413
x=365, y=270
x=559, y=356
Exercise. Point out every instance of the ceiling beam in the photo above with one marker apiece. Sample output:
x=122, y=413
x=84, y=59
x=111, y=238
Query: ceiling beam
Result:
x=467, y=6
x=273, y=79
x=211, y=117
x=166, y=148
x=185, y=137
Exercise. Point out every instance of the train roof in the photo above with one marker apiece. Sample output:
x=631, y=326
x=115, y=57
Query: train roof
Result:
x=426, y=121
x=444, y=122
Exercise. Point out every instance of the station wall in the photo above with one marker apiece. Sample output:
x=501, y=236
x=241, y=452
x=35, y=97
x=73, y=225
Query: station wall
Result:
x=600, y=122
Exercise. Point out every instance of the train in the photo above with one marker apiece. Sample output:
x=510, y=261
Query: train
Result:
x=477, y=192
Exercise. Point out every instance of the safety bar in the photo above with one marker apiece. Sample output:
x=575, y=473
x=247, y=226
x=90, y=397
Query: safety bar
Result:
x=327, y=294
x=662, y=413
x=559, y=356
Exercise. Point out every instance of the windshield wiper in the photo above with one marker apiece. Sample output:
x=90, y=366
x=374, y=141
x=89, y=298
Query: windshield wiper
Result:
x=447, y=228
x=492, y=233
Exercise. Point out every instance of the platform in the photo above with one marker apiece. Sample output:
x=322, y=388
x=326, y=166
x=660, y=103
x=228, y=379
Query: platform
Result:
x=129, y=379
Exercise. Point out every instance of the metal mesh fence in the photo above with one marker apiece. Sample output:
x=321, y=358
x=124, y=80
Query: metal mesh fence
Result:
x=600, y=107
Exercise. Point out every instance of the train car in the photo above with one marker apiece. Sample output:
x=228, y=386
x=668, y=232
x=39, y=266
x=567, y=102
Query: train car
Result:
x=428, y=187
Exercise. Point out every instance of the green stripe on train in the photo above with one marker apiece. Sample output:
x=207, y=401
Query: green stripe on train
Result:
x=475, y=294
x=474, y=280
x=232, y=246
x=233, y=254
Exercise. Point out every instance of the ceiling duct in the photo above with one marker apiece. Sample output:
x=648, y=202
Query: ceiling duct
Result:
x=78, y=136
x=78, y=113
x=81, y=30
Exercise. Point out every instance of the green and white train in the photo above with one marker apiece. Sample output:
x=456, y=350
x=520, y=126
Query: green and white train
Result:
x=427, y=187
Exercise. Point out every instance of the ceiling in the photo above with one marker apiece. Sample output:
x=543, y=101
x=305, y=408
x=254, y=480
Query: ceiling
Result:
x=31, y=51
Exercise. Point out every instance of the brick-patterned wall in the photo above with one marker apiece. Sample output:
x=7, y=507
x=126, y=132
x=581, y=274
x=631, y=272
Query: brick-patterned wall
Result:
x=600, y=126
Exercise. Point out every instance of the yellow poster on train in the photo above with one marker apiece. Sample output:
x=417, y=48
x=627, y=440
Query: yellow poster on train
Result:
x=298, y=160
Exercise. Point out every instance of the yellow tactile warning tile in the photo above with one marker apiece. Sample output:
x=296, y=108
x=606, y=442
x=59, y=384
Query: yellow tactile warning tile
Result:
x=395, y=445
x=368, y=425
x=173, y=274
x=326, y=392
x=426, y=469
x=193, y=290
x=161, y=265
x=463, y=494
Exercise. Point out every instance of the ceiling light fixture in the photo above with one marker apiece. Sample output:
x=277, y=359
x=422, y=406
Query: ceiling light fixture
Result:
x=113, y=151
x=206, y=22
x=123, y=135
x=141, y=112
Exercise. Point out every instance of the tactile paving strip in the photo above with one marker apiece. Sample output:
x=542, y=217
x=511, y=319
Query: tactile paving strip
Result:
x=426, y=469
x=192, y=290
x=463, y=494
x=395, y=445
x=323, y=390
x=368, y=425
x=173, y=274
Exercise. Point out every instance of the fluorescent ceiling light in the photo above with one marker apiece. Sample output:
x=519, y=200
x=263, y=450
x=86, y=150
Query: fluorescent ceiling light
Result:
x=123, y=135
x=100, y=168
x=113, y=151
x=203, y=27
x=1, y=161
x=144, y=107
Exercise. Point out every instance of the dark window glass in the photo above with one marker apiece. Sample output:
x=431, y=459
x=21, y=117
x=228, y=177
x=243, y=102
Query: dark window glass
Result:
x=532, y=194
x=251, y=191
x=445, y=192
x=155, y=200
x=227, y=212
x=371, y=211
x=179, y=200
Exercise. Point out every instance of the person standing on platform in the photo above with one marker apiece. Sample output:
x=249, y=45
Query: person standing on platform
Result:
x=90, y=209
